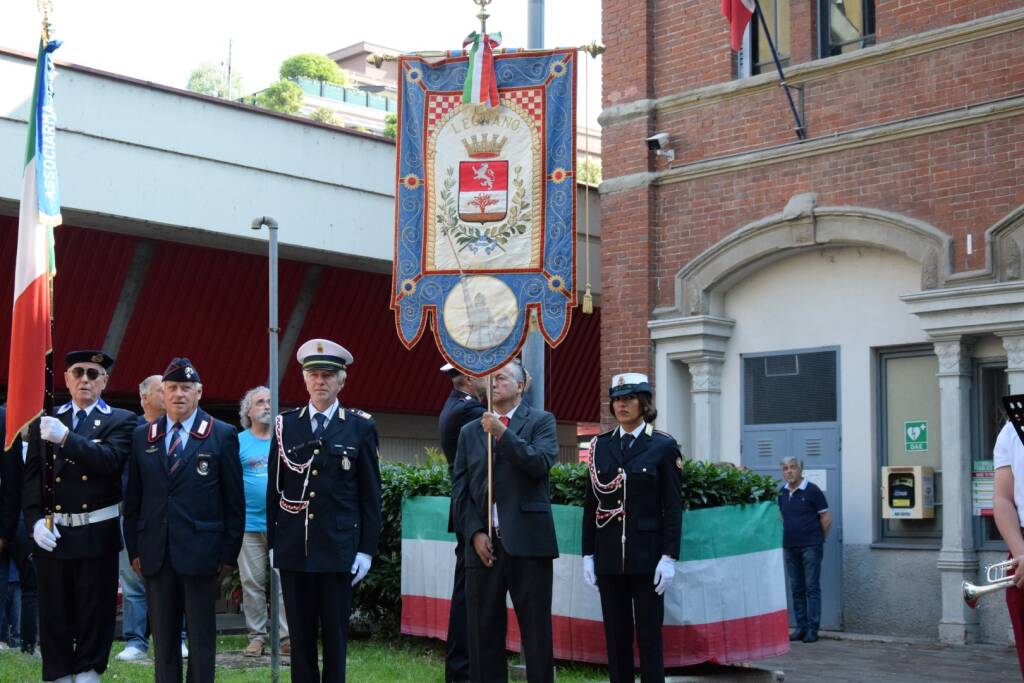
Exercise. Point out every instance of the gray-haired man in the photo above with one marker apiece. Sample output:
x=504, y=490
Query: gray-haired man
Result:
x=254, y=449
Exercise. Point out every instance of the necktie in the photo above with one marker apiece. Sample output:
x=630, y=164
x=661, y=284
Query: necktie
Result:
x=174, y=452
x=80, y=421
x=625, y=442
x=504, y=420
x=321, y=420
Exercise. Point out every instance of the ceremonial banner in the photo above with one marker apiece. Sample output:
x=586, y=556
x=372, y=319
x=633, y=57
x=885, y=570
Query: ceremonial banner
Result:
x=727, y=603
x=485, y=202
x=38, y=214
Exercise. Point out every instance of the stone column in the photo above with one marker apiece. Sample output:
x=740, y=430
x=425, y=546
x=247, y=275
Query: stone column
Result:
x=957, y=559
x=1014, y=345
x=706, y=396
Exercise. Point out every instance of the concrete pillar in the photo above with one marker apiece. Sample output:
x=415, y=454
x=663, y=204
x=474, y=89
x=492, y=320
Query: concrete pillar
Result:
x=1014, y=345
x=957, y=559
x=706, y=398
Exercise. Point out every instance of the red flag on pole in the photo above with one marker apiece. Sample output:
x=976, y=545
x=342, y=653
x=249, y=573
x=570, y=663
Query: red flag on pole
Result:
x=738, y=13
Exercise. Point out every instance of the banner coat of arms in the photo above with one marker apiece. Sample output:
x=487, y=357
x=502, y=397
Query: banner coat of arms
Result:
x=485, y=206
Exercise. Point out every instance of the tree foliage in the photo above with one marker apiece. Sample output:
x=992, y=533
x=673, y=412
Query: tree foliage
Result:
x=283, y=96
x=391, y=126
x=212, y=79
x=314, y=66
x=588, y=172
x=325, y=115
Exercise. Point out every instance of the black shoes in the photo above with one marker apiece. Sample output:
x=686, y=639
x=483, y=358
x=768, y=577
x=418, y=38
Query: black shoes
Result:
x=811, y=637
x=797, y=635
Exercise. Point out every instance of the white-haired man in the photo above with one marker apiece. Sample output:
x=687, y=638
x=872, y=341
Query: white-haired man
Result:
x=253, y=451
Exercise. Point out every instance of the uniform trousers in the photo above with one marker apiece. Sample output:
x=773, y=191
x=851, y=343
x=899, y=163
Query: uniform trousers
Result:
x=312, y=600
x=77, y=610
x=456, y=662
x=626, y=599
x=528, y=581
x=171, y=595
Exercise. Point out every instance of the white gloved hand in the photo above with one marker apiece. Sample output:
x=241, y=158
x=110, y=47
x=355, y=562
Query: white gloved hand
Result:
x=270, y=557
x=664, y=573
x=44, y=538
x=588, y=571
x=52, y=429
x=360, y=567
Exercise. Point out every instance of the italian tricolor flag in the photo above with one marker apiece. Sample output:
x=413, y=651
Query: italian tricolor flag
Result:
x=481, y=84
x=738, y=13
x=727, y=604
x=39, y=214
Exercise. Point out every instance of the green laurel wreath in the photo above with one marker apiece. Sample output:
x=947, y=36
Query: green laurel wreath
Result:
x=517, y=220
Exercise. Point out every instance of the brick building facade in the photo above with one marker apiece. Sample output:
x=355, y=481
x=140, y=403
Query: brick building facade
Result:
x=812, y=297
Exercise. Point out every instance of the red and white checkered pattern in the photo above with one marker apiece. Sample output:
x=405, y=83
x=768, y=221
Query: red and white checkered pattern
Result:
x=438, y=106
x=530, y=99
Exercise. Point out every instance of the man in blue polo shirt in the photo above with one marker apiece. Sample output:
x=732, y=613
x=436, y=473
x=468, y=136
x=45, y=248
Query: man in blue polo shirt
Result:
x=805, y=523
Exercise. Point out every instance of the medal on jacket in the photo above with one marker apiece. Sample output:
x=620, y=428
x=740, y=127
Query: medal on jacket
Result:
x=346, y=464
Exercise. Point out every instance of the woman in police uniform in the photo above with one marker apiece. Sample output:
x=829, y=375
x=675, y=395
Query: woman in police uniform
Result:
x=632, y=524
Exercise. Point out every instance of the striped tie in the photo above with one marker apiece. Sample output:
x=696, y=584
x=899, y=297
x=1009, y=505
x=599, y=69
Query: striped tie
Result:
x=174, y=452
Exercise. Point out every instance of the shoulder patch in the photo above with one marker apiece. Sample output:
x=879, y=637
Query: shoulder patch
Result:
x=64, y=408
x=648, y=429
x=360, y=413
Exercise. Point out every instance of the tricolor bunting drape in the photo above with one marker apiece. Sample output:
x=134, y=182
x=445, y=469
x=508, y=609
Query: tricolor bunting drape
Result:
x=485, y=205
x=38, y=215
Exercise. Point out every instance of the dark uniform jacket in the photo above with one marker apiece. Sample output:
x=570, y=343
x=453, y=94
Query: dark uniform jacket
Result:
x=87, y=477
x=522, y=458
x=343, y=492
x=11, y=469
x=654, y=502
x=459, y=410
x=194, y=517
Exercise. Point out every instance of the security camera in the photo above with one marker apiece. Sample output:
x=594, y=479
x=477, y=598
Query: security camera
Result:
x=657, y=142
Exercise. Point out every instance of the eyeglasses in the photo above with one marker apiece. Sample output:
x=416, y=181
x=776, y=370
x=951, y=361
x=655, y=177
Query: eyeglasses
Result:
x=91, y=373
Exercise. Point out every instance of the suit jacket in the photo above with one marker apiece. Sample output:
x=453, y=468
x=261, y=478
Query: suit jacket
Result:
x=87, y=477
x=522, y=458
x=11, y=470
x=343, y=492
x=192, y=517
x=654, y=500
x=459, y=410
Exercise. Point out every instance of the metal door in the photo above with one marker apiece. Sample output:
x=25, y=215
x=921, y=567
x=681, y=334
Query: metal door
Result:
x=799, y=392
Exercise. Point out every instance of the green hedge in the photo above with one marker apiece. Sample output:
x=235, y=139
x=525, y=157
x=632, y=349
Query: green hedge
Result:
x=378, y=597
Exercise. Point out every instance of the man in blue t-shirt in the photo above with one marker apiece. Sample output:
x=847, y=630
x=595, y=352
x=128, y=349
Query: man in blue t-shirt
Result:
x=254, y=449
x=805, y=523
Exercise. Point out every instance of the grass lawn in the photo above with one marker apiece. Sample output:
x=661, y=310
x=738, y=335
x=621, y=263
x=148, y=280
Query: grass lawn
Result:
x=398, y=659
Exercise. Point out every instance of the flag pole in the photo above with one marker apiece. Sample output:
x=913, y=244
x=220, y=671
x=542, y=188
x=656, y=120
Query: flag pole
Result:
x=801, y=132
x=49, y=451
x=490, y=469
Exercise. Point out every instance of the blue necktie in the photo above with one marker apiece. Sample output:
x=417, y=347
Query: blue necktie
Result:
x=321, y=420
x=174, y=452
x=625, y=442
x=80, y=422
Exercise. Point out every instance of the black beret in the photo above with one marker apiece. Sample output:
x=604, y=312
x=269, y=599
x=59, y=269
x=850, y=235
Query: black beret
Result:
x=89, y=356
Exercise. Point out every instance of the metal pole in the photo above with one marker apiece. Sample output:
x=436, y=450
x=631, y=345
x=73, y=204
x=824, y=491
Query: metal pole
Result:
x=535, y=23
x=272, y=383
x=801, y=133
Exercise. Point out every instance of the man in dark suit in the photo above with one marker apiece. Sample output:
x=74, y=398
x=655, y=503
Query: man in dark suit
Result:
x=14, y=542
x=462, y=407
x=184, y=514
x=518, y=559
x=76, y=562
x=323, y=510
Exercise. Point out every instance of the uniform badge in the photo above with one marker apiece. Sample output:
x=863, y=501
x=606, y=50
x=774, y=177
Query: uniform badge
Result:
x=203, y=464
x=95, y=423
x=151, y=449
x=346, y=464
x=97, y=358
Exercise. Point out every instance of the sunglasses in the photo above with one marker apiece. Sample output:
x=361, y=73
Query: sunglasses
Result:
x=91, y=373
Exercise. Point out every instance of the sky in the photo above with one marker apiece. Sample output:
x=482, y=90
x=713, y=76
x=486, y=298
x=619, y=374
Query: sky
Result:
x=163, y=41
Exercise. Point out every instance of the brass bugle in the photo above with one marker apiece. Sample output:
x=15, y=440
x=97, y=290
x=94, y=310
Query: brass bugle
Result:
x=997, y=578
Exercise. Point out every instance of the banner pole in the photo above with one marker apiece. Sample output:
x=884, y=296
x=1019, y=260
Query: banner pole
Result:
x=490, y=469
x=801, y=133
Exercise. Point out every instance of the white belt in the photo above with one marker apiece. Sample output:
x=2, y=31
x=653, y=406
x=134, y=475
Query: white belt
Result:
x=85, y=518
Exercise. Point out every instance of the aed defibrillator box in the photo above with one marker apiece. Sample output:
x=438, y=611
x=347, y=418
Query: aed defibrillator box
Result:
x=908, y=493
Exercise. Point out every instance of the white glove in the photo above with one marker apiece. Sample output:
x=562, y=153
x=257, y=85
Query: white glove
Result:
x=52, y=429
x=664, y=573
x=270, y=557
x=588, y=571
x=360, y=567
x=44, y=538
